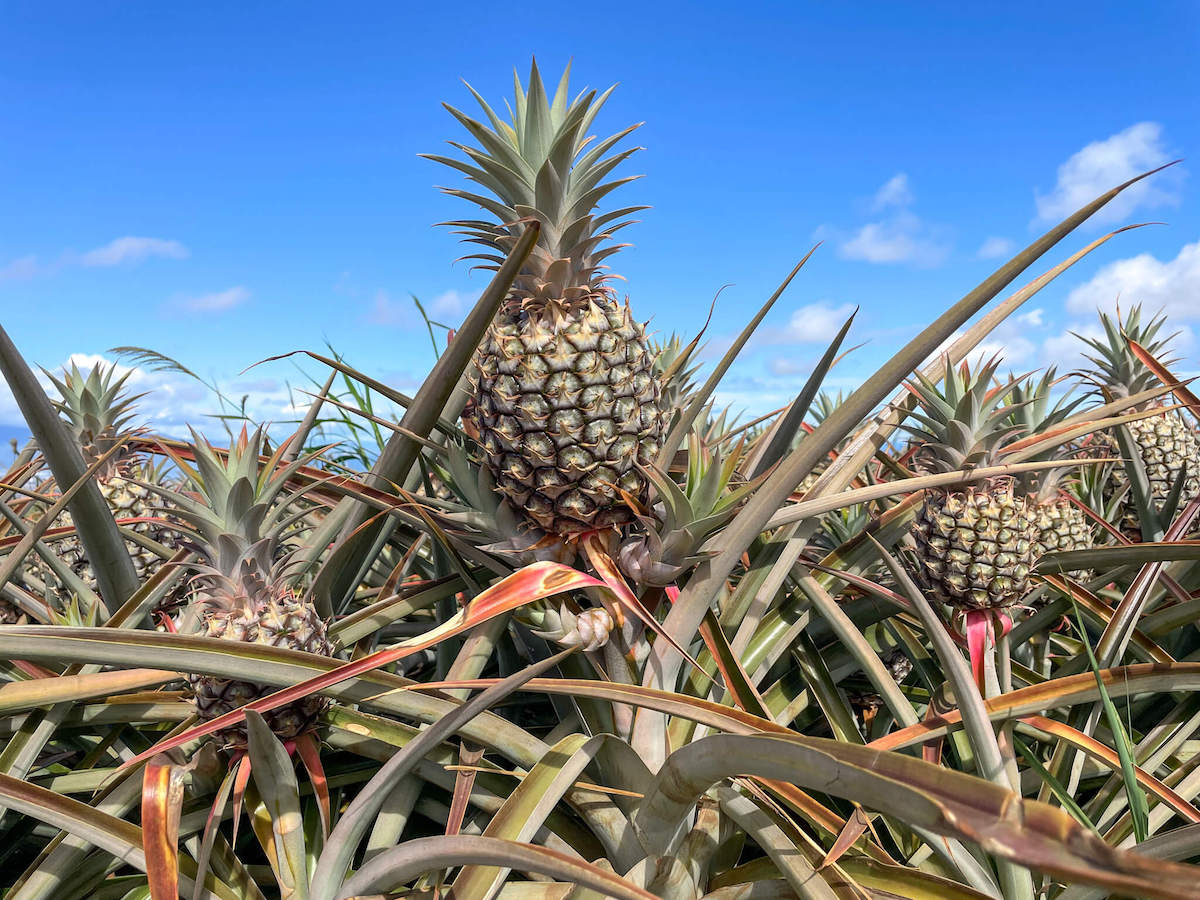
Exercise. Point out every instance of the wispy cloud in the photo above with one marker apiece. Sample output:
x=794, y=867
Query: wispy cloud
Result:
x=387, y=311
x=21, y=269
x=127, y=250
x=895, y=192
x=133, y=250
x=1102, y=165
x=898, y=236
x=996, y=248
x=219, y=301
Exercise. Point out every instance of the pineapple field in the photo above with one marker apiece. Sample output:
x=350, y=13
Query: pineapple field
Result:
x=574, y=629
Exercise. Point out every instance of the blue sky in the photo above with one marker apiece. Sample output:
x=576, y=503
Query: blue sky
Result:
x=225, y=182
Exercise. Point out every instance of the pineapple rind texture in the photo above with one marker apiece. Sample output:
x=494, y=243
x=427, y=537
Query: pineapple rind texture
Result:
x=974, y=545
x=566, y=414
x=252, y=611
x=1061, y=525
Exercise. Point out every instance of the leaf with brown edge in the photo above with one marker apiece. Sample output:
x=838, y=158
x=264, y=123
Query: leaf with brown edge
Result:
x=1108, y=757
x=1066, y=691
x=1029, y=833
x=740, y=686
x=534, y=582
x=416, y=857
x=162, y=801
x=856, y=826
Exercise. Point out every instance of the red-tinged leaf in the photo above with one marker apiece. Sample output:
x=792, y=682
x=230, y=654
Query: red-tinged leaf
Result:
x=464, y=780
x=534, y=582
x=310, y=755
x=856, y=826
x=162, y=800
x=1178, y=388
x=240, y=780
x=606, y=568
x=979, y=634
x=33, y=670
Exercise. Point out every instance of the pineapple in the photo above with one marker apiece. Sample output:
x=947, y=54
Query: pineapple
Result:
x=566, y=402
x=98, y=410
x=975, y=542
x=238, y=513
x=1061, y=524
x=1166, y=443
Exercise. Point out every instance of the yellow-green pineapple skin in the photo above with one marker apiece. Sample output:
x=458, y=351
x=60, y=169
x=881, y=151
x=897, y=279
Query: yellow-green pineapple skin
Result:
x=566, y=414
x=975, y=545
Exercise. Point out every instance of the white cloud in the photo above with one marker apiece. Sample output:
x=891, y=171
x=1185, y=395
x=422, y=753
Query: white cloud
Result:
x=1102, y=165
x=1015, y=341
x=133, y=250
x=899, y=236
x=895, y=192
x=904, y=238
x=448, y=303
x=220, y=301
x=21, y=269
x=816, y=323
x=785, y=365
x=996, y=248
x=1172, y=286
x=172, y=400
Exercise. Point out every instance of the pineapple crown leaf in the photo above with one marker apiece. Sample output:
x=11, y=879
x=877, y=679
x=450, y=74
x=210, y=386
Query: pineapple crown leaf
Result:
x=1116, y=367
x=96, y=405
x=240, y=501
x=966, y=419
x=543, y=165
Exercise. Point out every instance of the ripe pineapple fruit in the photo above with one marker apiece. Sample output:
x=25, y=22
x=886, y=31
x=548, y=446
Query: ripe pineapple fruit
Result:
x=1166, y=443
x=975, y=542
x=238, y=511
x=1061, y=524
x=98, y=409
x=567, y=403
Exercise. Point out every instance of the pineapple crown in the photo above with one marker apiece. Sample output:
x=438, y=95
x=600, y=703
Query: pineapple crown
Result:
x=685, y=516
x=239, y=505
x=1035, y=410
x=544, y=165
x=255, y=577
x=964, y=421
x=1117, y=368
x=97, y=408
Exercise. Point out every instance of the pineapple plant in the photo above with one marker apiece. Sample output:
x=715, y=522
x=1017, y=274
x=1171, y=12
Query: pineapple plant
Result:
x=975, y=542
x=1060, y=523
x=566, y=401
x=1166, y=443
x=239, y=514
x=98, y=409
